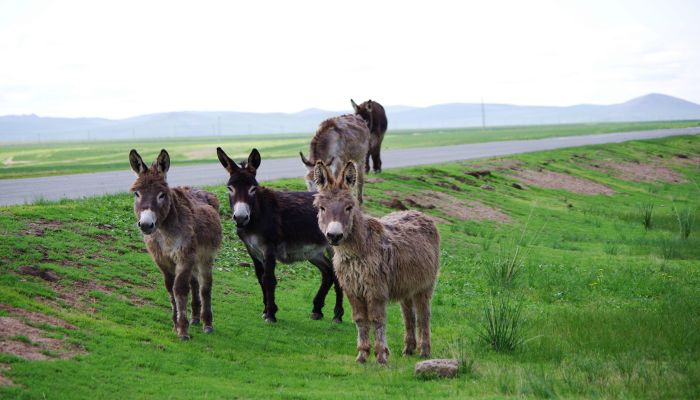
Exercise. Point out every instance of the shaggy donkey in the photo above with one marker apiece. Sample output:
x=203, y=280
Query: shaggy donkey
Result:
x=375, y=116
x=379, y=260
x=182, y=231
x=337, y=141
x=278, y=226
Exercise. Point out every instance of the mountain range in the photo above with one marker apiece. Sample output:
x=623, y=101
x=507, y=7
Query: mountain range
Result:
x=651, y=107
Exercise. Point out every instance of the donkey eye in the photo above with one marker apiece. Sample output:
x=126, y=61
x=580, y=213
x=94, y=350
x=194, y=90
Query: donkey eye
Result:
x=231, y=189
x=252, y=189
x=137, y=195
x=161, y=195
x=348, y=208
x=323, y=209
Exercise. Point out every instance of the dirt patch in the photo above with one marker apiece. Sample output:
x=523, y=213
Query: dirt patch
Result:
x=684, y=159
x=45, y=274
x=5, y=381
x=34, y=317
x=640, y=172
x=374, y=179
x=449, y=205
x=22, y=340
x=497, y=165
x=558, y=180
x=39, y=227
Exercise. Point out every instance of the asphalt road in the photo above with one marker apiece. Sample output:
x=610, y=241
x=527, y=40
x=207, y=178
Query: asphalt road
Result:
x=28, y=190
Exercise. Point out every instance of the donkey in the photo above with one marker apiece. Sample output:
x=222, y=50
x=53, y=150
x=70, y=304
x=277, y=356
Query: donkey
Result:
x=337, y=141
x=182, y=231
x=278, y=226
x=394, y=258
x=374, y=114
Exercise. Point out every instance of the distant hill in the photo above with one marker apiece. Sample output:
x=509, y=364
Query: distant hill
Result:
x=651, y=107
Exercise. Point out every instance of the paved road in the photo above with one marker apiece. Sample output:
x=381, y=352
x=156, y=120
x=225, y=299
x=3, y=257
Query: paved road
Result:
x=20, y=191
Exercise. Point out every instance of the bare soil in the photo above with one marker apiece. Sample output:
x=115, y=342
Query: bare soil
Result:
x=449, y=205
x=25, y=341
x=558, y=180
x=39, y=227
x=641, y=172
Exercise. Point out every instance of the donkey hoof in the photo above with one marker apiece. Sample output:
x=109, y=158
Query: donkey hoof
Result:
x=184, y=337
x=337, y=320
x=195, y=321
x=208, y=329
x=361, y=357
x=407, y=352
x=316, y=316
x=381, y=360
x=270, y=318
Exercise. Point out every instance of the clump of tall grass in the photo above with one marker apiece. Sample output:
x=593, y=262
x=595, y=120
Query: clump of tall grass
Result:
x=685, y=218
x=669, y=248
x=503, y=270
x=502, y=324
x=646, y=210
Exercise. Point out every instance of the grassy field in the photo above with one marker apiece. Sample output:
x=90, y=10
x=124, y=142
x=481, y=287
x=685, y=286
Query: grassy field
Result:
x=60, y=158
x=606, y=307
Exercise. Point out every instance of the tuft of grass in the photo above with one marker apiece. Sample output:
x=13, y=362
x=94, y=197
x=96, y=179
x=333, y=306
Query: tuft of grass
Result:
x=669, y=248
x=646, y=210
x=611, y=248
x=502, y=324
x=503, y=270
x=22, y=338
x=686, y=218
x=467, y=365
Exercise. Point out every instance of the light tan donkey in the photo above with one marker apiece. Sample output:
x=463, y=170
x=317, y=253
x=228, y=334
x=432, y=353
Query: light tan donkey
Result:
x=337, y=141
x=394, y=258
x=182, y=232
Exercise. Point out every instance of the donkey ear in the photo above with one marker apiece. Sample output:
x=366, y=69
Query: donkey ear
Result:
x=254, y=159
x=136, y=162
x=369, y=106
x=224, y=159
x=354, y=105
x=322, y=176
x=349, y=174
x=305, y=160
x=163, y=162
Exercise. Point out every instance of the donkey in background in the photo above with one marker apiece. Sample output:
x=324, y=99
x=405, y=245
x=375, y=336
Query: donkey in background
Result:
x=278, y=226
x=379, y=260
x=375, y=116
x=337, y=141
x=182, y=232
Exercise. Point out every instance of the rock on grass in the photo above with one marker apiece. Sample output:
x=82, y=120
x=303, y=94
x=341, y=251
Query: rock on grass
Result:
x=442, y=368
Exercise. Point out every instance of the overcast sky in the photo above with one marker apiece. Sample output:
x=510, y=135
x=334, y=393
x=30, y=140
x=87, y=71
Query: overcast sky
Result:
x=121, y=58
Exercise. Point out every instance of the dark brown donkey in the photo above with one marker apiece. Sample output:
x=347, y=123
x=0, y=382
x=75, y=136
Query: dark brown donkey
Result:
x=373, y=113
x=278, y=226
x=182, y=231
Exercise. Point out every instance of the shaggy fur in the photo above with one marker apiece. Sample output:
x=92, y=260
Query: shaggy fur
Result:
x=337, y=141
x=183, y=240
x=278, y=226
x=394, y=258
x=374, y=114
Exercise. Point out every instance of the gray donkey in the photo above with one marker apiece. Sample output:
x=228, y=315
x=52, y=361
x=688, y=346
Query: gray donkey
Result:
x=182, y=232
x=337, y=141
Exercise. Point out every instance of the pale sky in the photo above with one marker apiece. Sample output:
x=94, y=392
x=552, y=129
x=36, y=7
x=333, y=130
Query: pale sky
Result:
x=118, y=59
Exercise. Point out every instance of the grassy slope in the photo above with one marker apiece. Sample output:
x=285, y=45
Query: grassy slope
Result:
x=608, y=316
x=41, y=159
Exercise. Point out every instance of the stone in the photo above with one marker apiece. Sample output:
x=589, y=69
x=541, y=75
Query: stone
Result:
x=444, y=368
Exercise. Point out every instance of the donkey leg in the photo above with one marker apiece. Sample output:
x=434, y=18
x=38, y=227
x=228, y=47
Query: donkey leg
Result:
x=196, y=302
x=338, y=310
x=376, y=160
x=409, y=321
x=422, y=302
x=377, y=314
x=205, y=283
x=169, y=279
x=367, y=163
x=360, y=183
x=359, y=315
x=181, y=289
x=259, y=270
x=270, y=283
x=326, y=283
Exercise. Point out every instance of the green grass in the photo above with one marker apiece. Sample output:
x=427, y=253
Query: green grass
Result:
x=59, y=158
x=608, y=308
